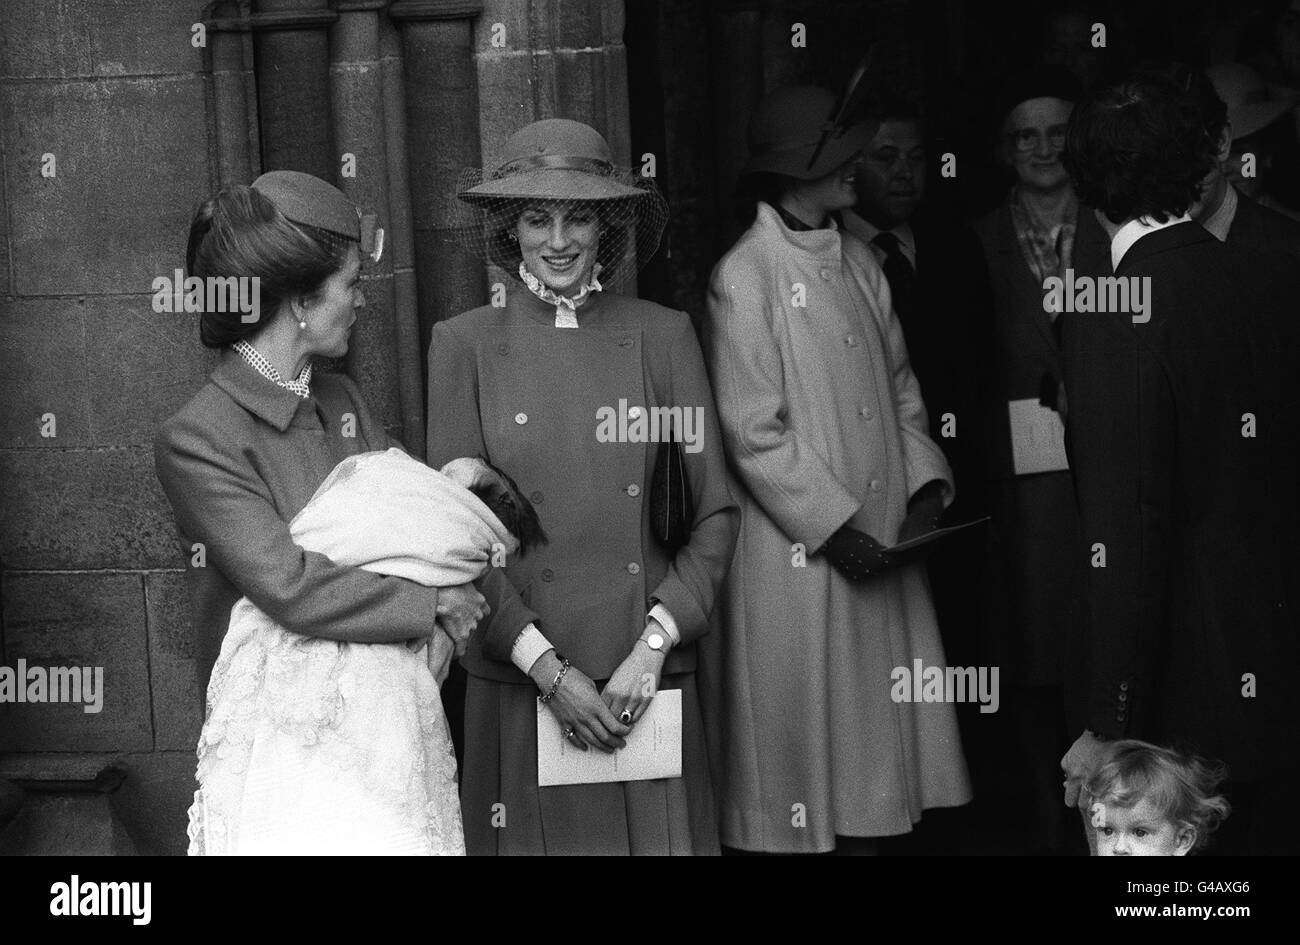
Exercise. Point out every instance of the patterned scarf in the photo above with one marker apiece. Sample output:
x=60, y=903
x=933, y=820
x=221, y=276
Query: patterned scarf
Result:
x=301, y=386
x=1048, y=248
x=565, y=308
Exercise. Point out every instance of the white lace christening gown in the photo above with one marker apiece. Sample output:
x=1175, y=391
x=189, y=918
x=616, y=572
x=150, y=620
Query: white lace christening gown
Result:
x=317, y=747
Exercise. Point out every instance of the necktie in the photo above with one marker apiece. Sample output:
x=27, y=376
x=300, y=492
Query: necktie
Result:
x=902, y=280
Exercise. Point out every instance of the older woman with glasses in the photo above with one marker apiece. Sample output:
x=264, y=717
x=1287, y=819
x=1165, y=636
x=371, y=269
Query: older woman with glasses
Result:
x=1037, y=233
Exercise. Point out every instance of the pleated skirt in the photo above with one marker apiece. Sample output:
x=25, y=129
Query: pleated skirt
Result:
x=506, y=813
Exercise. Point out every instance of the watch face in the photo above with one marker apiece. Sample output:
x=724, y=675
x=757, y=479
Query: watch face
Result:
x=655, y=641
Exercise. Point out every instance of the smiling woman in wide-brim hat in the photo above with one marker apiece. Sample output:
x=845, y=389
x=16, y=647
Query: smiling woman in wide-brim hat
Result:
x=606, y=615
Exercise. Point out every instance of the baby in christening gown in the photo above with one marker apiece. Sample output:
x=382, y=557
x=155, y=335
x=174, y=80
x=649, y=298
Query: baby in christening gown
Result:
x=312, y=746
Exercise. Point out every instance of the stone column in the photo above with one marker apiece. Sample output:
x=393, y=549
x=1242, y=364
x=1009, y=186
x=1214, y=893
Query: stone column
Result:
x=237, y=156
x=442, y=139
x=736, y=43
x=401, y=236
x=361, y=167
x=292, y=85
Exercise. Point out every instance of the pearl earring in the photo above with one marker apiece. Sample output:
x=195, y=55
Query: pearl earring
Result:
x=303, y=324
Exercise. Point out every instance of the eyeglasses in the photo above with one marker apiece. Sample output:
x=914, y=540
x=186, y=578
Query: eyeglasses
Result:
x=1025, y=140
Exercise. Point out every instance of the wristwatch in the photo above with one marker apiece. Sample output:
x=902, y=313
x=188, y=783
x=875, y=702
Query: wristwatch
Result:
x=655, y=641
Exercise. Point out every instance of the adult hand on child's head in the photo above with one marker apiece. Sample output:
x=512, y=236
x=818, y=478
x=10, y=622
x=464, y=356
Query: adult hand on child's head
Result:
x=1078, y=764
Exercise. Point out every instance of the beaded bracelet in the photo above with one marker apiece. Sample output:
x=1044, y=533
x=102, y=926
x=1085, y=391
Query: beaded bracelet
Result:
x=559, y=678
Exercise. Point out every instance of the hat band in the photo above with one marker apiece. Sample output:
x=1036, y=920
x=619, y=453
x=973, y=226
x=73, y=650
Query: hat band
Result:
x=554, y=161
x=795, y=144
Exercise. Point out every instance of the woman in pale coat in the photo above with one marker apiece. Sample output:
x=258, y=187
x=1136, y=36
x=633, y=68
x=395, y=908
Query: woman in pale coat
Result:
x=826, y=432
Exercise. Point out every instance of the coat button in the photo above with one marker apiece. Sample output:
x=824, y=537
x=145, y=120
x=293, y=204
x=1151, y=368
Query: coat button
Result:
x=826, y=274
x=634, y=490
x=633, y=568
x=633, y=413
x=536, y=498
x=851, y=341
x=548, y=574
x=866, y=412
x=503, y=348
x=521, y=418
x=1123, y=697
x=875, y=485
x=1123, y=687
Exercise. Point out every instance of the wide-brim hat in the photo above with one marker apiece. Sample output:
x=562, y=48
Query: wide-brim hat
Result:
x=554, y=159
x=793, y=132
x=562, y=164
x=1252, y=104
x=311, y=202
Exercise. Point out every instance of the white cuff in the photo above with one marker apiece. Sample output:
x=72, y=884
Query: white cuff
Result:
x=529, y=647
x=660, y=612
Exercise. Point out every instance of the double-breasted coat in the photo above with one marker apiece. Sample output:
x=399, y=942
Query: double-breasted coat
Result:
x=237, y=463
x=824, y=424
x=535, y=400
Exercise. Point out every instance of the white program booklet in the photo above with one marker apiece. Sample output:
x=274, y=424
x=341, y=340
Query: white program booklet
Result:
x=653, y=749
x=1037, y=438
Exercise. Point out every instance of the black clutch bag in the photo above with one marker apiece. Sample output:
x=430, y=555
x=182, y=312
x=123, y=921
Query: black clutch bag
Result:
x=671, y=510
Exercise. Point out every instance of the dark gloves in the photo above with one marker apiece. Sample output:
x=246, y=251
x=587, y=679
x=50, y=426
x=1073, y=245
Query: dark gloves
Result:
x=923, y=511
x=855, y=554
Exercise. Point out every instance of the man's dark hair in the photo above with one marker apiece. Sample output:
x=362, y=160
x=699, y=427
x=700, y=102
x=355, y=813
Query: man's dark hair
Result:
x=1139, y=148
x=1195, y=84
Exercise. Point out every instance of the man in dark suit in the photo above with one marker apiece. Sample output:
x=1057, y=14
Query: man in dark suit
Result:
x=940, y=289
x=1183, y=427
x=939, y=286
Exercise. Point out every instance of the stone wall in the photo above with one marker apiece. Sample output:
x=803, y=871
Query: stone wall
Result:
x=141, y=123
x=104, y=131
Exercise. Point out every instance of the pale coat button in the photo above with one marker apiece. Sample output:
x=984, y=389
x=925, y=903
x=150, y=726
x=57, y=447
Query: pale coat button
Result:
x=875, y=485
x=633, y=413
x=634, y=490
x=851, y=341
x=521, y=418
x=866, y=412
x=633, y=568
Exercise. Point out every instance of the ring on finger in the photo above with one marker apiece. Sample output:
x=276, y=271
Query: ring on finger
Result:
x=626, y=717
x=568, y=731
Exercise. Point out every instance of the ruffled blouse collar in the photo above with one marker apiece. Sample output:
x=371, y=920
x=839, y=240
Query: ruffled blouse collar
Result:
x=566, y=307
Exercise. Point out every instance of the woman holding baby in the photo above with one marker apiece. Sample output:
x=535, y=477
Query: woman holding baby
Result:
x=239, y=464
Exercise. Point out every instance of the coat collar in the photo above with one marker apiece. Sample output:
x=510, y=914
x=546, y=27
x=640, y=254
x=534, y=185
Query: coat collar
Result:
x=521, y=302
x=1161, y=240
x=821, y=242
x=258, y=395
